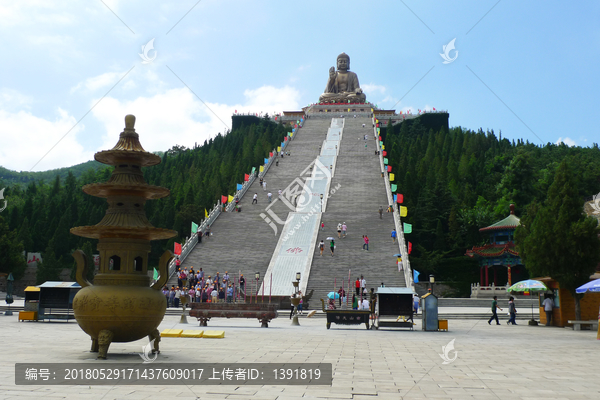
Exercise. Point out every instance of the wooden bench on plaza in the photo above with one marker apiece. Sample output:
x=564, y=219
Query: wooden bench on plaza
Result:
x=347, y=317
x=577, y=324
x=264, y=312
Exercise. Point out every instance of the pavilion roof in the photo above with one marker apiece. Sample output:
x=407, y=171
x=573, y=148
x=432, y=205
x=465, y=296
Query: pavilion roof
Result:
x=510, y=222
x=493, y=250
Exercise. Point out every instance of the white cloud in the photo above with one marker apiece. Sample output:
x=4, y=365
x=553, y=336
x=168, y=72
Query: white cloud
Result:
x=176, y=116
x=34, y=136
x=371, y=89
x=99, y=82
x=568, y=141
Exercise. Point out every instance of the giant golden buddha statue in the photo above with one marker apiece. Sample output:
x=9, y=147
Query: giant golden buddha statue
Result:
x=342, y=86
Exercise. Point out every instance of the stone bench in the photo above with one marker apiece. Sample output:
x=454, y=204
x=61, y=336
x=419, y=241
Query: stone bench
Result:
x=346, y=317
x=577, y=324
x=264, y=312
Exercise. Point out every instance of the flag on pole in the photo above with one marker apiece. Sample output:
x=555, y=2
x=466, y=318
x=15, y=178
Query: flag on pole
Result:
x=194, y=227
x=261, y=168
x=270, y=154
x=205, y=213
x=177, y=249
x=394, y=198
x=385, y=161
x=394, y=187
x=389, y=168
x=409, y=247
x=278, y=148
x=416, y=276
x=403, y=211
x=253, y=170
x=246, y=177
x=384, y=153
x=433, y=108
x=382, y=146
x=392, y=177
x=239, y=186
x=155, y=275
x=407, y=228
x=230, y=198
x=400, y=198
x=223, y=199
x=266, y=160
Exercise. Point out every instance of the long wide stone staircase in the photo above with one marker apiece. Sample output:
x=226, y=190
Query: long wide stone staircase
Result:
x=244, y=242
x=360, y=191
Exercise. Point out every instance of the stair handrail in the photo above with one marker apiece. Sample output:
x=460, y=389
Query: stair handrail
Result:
x=408, y=275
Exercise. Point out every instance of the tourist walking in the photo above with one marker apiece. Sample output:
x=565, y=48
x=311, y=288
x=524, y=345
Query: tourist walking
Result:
x=494, y=308
x=332, y=246
x=339, y=230
x=363, y=284
x=357, y=286
x=264, y=185
x=394, y=234
x=548, y=305
x=342, y=294
x=255, y=198
x=512, y=311
x=415, y=303
x=366, y=244
x=270, y=196
x=321, y=246
x=230, y=294
x=322, y=226
x=242, y=283
x=344, y=229
x=354, y=302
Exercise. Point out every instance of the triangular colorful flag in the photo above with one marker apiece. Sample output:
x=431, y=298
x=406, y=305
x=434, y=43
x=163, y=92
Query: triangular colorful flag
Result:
x=253, y=170
x=230, y=198
x=385, y=161
x=394, y=187
x=409, y=247
x=400, y=198
x=407, y=228
x=416, y=275
x=403, y=211
x=194, y=227
x=261, y=168
x=239, y=186
x=177, y=249
x=389, y=168
x=155, y=275
x=246, y=177
x=205, y=213
x=392, y=177
x=223, y=199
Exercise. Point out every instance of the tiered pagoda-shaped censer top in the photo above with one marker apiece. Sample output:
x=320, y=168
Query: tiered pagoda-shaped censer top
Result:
x=124, y=232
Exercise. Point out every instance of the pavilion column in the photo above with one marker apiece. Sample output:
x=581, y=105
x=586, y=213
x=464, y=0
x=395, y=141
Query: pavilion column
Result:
x=509, y=276
x=487, y=282
x=495, y=276
x=481, y=276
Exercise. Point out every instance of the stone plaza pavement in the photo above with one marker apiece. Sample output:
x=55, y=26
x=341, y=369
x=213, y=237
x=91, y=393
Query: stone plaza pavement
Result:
x=493, y=362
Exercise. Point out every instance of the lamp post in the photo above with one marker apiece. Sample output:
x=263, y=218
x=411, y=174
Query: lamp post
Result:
x=257, y=277
x=296, y=299
x=431, y=283
x=321, y=202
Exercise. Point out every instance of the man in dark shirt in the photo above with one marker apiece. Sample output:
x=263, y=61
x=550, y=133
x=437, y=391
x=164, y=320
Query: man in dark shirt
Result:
x=494, y=308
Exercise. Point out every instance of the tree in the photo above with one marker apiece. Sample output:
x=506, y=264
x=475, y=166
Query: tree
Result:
x=557, y=239
x=11, y=250
x=50, y=268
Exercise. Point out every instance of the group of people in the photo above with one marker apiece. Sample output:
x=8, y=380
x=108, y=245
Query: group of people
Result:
x=548, y=304
x=203, y=288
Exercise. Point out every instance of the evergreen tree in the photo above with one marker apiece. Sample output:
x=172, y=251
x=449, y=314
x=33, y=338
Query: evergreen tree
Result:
x=11, y=252
x=558, y=240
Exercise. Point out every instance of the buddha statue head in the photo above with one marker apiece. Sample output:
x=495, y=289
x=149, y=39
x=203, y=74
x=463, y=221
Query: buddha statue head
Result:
x=343, y=62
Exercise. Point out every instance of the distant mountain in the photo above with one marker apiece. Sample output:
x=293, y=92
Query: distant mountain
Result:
x=9, y=177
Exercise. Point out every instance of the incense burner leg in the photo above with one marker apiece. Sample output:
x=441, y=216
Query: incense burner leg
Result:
x=105, y=338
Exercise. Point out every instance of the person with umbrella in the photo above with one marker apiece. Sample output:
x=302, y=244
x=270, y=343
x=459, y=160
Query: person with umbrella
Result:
x=494, y=315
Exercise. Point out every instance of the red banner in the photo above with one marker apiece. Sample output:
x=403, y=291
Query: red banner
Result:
x=380, y=139
x=246, y=177
x=409, y=247
x=270, y=154
x=389, y=168
x=384, y=153
x=400, y=198
x=177, y=249
x=223, y=199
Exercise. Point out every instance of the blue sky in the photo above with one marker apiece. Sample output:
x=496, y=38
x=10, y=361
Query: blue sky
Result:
x=527, y=69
